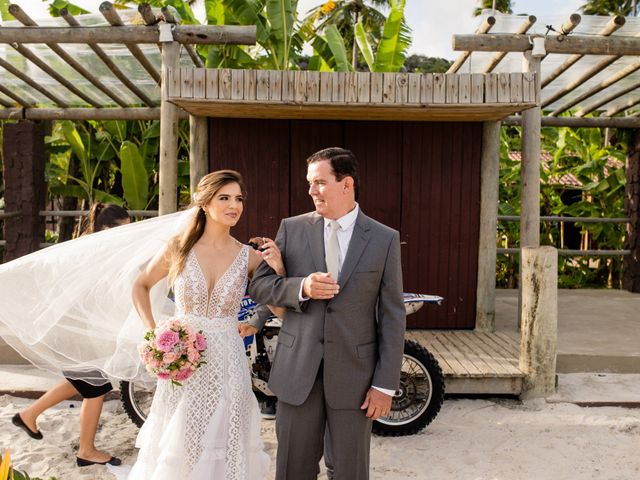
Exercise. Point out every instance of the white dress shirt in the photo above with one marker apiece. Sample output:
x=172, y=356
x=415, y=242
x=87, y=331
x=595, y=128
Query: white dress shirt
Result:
x=344, y=234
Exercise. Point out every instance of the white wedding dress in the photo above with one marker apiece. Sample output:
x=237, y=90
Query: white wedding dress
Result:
x=210, y=427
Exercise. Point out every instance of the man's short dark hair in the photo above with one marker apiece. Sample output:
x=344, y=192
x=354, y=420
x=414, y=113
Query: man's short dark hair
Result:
x=343, y=164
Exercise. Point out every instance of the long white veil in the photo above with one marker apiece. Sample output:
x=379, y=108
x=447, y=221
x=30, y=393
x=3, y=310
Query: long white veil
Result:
x=69, y=308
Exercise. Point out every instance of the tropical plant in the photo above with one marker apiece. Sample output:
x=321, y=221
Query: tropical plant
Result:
x=609, y=7
x=504, y=6
x=389, y=56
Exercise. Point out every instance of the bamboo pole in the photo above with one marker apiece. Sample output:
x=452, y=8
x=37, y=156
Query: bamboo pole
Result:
x=5, y=103
x=146, y=12
x=620, y=108
x=111, y=15
x=32, y=83
x=87, y=113
x=484, y=28
x=530, y=173
x=199, y=150
x=539, y=332
x=195, y=58
x=130, y=34
x=22, y=17
x=168, y=200
x=506, y=42
x=591, y=122
x=487, y=249
x=606, y=99
x=29, y=55
x=612, y=25
x=9, y=93
x=625, y=72
x=120, y=75
x=523, y=28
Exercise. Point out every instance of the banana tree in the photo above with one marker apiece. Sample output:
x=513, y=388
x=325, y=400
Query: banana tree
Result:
x=330, y=49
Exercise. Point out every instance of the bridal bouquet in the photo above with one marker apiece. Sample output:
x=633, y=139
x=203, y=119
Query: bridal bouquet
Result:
x=173, y=351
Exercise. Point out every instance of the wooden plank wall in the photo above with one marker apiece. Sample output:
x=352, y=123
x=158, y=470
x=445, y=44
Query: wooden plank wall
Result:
x=313, y=88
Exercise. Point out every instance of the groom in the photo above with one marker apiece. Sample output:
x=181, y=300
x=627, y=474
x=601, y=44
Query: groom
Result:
x=340, y=348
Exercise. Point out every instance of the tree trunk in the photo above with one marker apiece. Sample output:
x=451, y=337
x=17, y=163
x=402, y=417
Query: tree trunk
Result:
x=631, y=263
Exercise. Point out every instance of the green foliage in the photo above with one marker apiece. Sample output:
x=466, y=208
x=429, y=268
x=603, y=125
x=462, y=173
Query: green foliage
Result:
x=503, y=6
x=582, y=154
x=608, y=7
x=424, y=64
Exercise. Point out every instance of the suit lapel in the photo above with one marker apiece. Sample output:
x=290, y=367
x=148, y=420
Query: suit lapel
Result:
x=315, y=237
x=359, y=241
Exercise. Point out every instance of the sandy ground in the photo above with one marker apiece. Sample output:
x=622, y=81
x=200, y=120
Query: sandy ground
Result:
x=492, y=439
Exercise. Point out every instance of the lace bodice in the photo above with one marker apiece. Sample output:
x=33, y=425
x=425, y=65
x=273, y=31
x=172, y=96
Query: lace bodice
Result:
x=191, y=294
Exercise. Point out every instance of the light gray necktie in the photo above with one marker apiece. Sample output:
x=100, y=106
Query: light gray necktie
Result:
x=332, y=254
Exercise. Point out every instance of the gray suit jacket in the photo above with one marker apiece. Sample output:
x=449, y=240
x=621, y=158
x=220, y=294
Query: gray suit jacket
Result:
x=359, y=333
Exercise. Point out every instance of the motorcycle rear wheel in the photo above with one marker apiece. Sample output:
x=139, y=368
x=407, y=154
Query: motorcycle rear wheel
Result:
x=420, y=396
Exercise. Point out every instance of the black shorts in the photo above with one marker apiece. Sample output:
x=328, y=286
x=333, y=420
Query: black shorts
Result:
x=88, y=390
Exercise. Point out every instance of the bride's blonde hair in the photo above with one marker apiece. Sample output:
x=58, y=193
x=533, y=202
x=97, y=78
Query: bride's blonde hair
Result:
x=208, y=186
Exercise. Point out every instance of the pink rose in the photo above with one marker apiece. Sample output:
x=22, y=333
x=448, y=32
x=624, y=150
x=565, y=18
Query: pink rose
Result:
x=167, y=340
x=201, y=342
x=183, y=374
x=164, y=376
x=169, y=357
x=193, y=356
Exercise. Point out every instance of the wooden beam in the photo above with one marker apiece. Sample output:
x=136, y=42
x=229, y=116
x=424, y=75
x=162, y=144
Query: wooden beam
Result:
x=487, y=250
x=606, y=99
x=111, y=15
x=484, y=28
x=130, y=34
x=33, y=58
x=6, y=103
x=199, y=150
x=614, y=110
x=319, y=111
x=11, y=94
x=120, y=75
x=614, y=24
x=539, y=332
x=588, y=45
x=32, y=83
x=530, y=170
x=497, y=58
x=625, y=72
x=82, y=113
x=588, y=122
x=22, y=17
x=168, y=181
x=195, y=58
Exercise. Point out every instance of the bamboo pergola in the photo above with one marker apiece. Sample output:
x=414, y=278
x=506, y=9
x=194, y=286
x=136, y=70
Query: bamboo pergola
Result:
x=589, y=71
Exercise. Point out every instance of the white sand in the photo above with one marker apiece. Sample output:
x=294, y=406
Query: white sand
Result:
x=469, y=440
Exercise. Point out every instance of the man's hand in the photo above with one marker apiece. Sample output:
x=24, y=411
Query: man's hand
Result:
x=377, y=404
x=246, y=330
x=320, y=286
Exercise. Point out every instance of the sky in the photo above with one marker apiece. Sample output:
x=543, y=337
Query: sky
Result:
x=433, y=22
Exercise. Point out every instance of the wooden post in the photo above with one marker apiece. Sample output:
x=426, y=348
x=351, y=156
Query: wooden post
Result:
x=530, y=173
x=199, y=150
x=24, y=156
x=489, y=178
x=168, y=201
x=631, y=263
x=539, y=338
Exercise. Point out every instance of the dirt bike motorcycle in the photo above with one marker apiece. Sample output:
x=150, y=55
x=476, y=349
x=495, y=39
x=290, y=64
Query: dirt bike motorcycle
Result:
x=415, y=404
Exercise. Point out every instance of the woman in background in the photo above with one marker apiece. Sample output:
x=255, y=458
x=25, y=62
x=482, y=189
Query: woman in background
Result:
x=101, y=217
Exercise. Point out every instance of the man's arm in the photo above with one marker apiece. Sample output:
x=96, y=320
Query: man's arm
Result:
x=267, y=287
x=391, y=321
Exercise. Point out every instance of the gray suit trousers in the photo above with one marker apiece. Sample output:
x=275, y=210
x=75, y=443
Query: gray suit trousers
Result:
x=301, y=430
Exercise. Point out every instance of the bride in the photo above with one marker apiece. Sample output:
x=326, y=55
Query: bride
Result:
x=210, y=426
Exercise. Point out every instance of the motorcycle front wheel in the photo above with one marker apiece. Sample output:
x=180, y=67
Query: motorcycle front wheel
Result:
x=420, y=396
x=136, y=399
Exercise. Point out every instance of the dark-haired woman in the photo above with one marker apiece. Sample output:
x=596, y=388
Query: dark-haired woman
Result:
x=101, y=217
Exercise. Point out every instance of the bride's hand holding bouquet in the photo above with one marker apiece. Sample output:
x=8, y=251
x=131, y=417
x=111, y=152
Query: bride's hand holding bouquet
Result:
x=173, y=351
